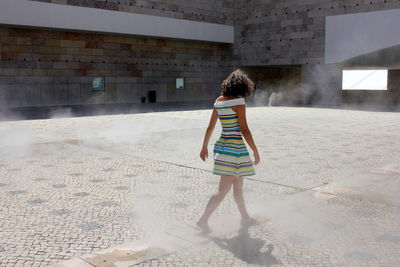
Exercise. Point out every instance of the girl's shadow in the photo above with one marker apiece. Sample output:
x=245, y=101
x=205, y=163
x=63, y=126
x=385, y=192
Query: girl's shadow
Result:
x=248, y=249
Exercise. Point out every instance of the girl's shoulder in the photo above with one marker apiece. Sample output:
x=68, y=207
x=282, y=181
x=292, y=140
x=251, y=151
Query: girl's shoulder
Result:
x=229, y=102
x=219, y=98
x=224, y=99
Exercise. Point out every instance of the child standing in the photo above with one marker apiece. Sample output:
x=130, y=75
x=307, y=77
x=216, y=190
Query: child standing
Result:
x=232, y=159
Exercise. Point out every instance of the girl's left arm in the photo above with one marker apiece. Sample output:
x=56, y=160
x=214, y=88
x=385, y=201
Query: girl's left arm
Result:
x=244, y=128
x=207, y=136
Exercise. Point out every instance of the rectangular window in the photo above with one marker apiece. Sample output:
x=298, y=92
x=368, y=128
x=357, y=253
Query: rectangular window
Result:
x=365, y=80
x=180, y=83
x=98, y=84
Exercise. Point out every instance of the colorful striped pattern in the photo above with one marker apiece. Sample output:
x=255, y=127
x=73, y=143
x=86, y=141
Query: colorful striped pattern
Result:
x=230, y=153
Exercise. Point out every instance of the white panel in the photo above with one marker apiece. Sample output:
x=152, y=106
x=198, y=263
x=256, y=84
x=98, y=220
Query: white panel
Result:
x=353, y=35
x=39, y=14
x=365, y=79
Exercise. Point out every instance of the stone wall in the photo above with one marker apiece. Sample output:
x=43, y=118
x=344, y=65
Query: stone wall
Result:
x=220, y=11
x=286, y=32
x=50, y=67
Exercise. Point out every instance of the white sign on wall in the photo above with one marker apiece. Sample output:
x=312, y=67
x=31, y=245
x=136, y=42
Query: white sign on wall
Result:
x=365, y=80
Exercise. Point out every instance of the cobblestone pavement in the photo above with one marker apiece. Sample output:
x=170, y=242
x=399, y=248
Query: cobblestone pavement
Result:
x=328, y=182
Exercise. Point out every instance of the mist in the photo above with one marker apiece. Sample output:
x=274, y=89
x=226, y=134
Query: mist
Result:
x=320, y=85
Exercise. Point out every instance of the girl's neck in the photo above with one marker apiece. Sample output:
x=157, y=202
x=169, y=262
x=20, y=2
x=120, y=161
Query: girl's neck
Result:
x=221, y=97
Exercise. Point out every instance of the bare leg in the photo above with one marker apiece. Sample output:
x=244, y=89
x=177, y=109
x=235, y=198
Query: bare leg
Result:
x=225, y=185
x=238, y=196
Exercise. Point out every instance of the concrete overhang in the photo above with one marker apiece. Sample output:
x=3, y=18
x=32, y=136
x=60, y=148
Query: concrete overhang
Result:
x=387, y=58
x=67, y=17
x=351, y=35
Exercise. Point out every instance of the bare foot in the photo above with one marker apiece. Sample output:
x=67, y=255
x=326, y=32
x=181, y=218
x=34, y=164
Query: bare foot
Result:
x=203, y=226
x=249, y=221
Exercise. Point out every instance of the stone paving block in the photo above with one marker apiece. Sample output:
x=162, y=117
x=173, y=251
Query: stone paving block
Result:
x=74, y=262
x=303, y=183
x=79, y=185
x=133, y=253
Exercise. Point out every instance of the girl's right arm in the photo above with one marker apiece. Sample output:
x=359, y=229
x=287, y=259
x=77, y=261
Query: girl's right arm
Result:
x=210, y=129
x=244, y=128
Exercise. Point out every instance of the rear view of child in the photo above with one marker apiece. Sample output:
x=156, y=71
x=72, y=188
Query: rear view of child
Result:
x=231, y=157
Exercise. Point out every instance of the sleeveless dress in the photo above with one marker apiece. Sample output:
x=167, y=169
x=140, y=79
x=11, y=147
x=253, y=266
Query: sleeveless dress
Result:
x=231, y=156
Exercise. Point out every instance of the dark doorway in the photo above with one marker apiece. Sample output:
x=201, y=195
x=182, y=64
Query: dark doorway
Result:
x=275, y=85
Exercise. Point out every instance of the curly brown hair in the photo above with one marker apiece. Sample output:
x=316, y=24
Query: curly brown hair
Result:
x=237, y=84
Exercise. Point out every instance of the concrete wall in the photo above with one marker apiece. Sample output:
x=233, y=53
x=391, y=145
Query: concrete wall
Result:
x=48, y=67
x=290, y=31
x=220, y=11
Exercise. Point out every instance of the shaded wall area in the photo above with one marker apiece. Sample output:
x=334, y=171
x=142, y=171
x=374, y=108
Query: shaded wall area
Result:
x=296, y=85
x=388, y=58
x=49, y=67
x=321, y=85
x=390, y=97
x=275, y=85
x=318, y=85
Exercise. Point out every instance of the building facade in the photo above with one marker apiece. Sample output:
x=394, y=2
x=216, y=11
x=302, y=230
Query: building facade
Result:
x=52, y=52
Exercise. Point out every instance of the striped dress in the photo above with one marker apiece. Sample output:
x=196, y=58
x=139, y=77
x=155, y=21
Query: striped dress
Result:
x=230, y=153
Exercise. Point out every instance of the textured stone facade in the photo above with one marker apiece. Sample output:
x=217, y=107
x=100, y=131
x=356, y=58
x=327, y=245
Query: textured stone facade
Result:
x=285, y=32
x=279, y=42
x=49, y=67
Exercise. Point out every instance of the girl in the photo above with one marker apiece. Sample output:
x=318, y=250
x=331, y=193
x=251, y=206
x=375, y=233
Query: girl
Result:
x=232, y=159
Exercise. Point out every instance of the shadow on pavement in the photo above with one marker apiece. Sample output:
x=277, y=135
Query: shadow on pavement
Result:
x=247, y=248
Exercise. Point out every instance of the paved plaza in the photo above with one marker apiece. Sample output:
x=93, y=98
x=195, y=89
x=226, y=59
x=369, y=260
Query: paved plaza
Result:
x=125, y=190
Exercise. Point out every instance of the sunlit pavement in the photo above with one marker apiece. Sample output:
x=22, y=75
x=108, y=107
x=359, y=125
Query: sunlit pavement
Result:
x=326, y=191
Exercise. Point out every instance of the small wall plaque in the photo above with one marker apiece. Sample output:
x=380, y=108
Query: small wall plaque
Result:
x=98, y=84
x=180, y=83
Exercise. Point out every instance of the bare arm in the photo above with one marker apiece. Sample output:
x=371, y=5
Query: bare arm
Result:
x=244, y=128
x=207, y=136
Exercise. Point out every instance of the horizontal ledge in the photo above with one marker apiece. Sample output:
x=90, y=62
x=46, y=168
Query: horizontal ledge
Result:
x=67, y=17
